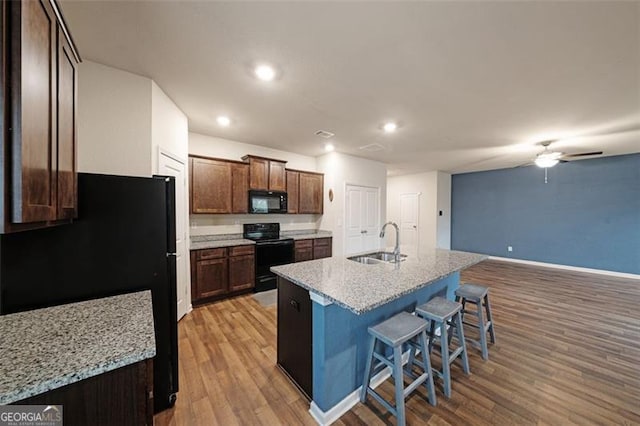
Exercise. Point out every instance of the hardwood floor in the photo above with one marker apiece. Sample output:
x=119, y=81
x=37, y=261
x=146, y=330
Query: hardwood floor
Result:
x=567, y=352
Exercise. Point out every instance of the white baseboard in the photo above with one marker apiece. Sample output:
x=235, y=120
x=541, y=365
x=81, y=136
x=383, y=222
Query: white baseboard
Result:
x=569, y=268
x=325, y=418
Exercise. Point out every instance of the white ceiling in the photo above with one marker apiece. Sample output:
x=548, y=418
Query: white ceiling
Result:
x=473, y=85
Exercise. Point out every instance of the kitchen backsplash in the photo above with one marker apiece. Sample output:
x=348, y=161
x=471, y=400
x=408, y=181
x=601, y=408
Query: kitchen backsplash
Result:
x=232, y=224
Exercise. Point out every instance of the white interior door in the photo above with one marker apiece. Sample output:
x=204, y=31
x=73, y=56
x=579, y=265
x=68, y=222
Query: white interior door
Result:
x=409, y=232
x=362, y=219
x=371, y=224
x=171, y=166
x=353, y=220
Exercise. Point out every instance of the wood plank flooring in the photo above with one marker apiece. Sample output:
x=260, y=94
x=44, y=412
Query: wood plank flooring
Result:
x=567, y=352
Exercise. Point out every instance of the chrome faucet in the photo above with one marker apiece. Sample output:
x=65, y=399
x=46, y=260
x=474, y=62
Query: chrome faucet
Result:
x=396, y=249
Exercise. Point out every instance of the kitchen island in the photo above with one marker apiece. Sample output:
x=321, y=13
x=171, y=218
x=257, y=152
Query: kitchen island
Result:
x=325, y=307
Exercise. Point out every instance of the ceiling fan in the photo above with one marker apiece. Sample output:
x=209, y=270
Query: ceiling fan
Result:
x=548, y=158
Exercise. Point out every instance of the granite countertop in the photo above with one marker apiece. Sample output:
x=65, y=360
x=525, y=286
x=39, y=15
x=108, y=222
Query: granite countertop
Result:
x=361, y=288
x=306, y=235
x=213, y=243
x=48, y=348
x=200, y=242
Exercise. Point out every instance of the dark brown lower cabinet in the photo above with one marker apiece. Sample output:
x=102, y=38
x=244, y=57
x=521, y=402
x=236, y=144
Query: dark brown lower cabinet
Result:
x=303, y=250
x=119, y=397
x=294, y=335
x=216, y=273
x=321, y=248
x=318, y=248
x=242, y=268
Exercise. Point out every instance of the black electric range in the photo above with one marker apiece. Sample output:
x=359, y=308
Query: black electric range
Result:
x=271, y=250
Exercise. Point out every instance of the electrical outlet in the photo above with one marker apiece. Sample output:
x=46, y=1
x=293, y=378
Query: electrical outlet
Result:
x=509, y=248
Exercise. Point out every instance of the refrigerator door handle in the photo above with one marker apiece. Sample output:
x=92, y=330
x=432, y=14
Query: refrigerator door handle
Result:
x=171, y=254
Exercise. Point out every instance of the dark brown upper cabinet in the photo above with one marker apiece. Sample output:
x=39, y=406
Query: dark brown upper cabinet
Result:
x=210, y=186
x=218, y=186
x=239, y=188
x=293, y=185
x=266, y=173
x=222, y=186
x=311, y=191
x=38, y=105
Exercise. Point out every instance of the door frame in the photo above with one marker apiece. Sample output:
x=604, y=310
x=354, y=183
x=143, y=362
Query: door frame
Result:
x=162, y=151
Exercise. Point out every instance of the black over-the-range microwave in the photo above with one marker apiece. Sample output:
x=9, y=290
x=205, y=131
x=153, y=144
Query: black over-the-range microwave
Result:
x=267, y=202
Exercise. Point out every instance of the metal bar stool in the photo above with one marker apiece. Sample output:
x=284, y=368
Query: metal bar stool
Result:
x=442, y=312
x=394, y=332
x=478, y=295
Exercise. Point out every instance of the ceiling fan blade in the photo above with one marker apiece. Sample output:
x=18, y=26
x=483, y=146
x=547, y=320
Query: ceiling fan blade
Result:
x=583, y=154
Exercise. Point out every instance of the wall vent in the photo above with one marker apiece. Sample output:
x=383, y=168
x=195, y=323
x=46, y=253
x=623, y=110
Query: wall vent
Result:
x=325, y=134
x=372, y=147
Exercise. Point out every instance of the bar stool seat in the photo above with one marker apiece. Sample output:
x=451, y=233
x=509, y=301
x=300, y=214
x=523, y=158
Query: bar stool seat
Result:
x=442, y=313
x=395, y=332
x=478, y=295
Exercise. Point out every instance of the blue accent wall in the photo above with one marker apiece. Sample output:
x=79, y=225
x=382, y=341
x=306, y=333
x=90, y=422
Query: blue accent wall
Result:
x=587, y=215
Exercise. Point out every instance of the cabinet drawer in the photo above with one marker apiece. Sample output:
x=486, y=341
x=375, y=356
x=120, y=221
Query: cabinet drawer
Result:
x=303, y=244
x=322, y=242
x=212, y=253
x=241, y=250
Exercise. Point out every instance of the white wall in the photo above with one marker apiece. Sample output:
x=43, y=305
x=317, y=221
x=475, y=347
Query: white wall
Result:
x=340, y=170
x=231, y=150
x=169, y=127
x=207, y=224
x=435, y=195
x=114, y=121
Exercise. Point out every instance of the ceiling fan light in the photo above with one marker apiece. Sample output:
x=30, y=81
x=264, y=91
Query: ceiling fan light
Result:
x=546, y=161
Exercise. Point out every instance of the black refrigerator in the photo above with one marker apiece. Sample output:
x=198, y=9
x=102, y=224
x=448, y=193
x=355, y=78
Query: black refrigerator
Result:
x=123, y=241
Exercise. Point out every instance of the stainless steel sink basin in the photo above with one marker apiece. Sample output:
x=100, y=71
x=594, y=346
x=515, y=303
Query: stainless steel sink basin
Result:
x=377, y=257
x=366, y=260
x=386, y=256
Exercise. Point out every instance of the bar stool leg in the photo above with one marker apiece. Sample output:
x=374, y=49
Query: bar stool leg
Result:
x=399, y=384
x=444, y=352
x=432, y=334
x=367, y=371
x=460, y=332
x=483, y=331
x=426, y=364
x=489, y=318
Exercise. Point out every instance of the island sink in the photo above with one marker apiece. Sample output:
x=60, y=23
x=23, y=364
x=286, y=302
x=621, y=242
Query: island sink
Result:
x=378, y=257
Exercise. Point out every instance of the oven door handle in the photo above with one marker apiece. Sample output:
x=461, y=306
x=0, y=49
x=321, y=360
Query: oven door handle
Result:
x=278, y=243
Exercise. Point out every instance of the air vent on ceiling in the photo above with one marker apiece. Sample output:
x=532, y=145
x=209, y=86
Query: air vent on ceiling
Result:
x=325, y=134
x=372, y=147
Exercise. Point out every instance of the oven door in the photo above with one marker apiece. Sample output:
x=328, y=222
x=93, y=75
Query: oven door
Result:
x=272, y=253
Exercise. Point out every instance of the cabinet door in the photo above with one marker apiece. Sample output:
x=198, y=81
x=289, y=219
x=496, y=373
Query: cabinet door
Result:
x=277, y=176
x=321, y=248
x=33, y=94
x=311, y=188
x=242, y=273
x=210, y=186
x=239, y=188
x=259, y=173
x=212, y=277
x=303, y=250
x=292, y=191
x=67, y=136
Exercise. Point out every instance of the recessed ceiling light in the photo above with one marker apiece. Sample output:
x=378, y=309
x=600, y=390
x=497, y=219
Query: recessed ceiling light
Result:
x=329, y=147
x=223, y=120
x=265, y=72
x=390, y=127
